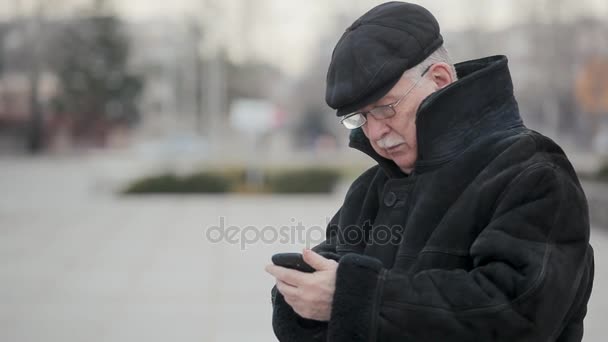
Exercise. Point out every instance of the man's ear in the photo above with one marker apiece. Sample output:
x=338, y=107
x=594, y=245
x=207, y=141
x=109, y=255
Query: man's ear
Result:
x=440, y=73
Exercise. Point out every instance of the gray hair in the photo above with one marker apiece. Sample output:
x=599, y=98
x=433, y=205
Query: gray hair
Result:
x=440, y=55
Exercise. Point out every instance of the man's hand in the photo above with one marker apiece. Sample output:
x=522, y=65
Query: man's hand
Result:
x=309, y=294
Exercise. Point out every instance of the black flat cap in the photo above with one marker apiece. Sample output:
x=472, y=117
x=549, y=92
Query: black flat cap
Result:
x=375, y=50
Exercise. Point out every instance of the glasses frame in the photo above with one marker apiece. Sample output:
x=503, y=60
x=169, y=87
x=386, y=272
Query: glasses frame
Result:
x=391, y=106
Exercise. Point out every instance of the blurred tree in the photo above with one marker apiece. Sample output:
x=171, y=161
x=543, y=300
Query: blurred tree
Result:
x=196, y=32
x=35, y=130
x=2, y=38
x=97, y=90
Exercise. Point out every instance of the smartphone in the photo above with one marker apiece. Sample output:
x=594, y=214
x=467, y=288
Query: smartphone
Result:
x=292, y=260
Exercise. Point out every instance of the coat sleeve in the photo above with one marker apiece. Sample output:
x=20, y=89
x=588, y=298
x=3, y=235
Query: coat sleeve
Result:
x=288, y=325
x=529, y=265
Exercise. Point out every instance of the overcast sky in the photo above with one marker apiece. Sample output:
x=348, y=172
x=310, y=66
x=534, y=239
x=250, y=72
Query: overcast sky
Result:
x=287, y=32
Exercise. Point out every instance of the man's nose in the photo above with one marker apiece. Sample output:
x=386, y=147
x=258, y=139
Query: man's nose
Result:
x=376, y=128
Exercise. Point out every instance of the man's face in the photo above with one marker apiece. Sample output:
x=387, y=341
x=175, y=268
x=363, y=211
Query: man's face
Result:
x=395, y=138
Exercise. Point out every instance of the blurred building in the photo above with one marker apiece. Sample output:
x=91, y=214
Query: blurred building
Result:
x=545, y=60
x=189, y=90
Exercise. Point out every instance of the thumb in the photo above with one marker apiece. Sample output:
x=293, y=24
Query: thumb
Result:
x=315, y=260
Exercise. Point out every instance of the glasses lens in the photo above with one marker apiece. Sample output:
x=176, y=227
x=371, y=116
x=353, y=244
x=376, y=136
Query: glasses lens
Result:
x=382, y=112
x=353, y=121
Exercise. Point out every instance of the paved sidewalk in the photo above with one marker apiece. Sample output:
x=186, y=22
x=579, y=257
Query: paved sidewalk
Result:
x=77, y=264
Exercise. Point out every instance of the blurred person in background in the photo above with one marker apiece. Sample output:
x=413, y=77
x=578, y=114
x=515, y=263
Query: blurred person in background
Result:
x=471, y=227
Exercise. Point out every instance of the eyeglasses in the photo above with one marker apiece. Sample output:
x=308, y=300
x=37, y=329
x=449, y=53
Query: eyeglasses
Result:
x=358, y=119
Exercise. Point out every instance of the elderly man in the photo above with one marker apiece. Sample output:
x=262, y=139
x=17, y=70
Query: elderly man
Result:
x=470, y=228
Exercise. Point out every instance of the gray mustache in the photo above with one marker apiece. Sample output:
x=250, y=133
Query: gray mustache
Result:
x=389, y=141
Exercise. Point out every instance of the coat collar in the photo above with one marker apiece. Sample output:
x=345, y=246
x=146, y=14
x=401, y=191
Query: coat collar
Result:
x=450, y=120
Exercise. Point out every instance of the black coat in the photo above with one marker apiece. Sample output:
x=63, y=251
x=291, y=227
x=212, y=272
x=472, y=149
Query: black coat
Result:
x=486, y=240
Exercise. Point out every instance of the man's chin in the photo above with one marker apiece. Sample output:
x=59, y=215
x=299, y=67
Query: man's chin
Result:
x=404, y=160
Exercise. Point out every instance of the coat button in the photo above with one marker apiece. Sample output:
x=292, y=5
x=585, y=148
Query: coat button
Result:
x=390, y=199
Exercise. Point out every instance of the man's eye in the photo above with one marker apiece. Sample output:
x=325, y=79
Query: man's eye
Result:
x=381, y=110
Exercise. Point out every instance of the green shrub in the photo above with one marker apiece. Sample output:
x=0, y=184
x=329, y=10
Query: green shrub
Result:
x=160, y=183
x=311, y=180
x=602, y=173
x=205, y=182
x=202, y=182
x=236, y=175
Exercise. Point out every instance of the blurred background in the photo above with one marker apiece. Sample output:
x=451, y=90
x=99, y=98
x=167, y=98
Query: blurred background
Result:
x=130, y=131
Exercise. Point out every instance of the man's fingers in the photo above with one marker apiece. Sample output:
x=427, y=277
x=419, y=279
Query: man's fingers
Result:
x=315, y=260
x=286, y=275
x=286, y=289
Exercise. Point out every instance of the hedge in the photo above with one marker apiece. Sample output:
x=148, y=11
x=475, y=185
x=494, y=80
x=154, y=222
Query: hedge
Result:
x=284, y=181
